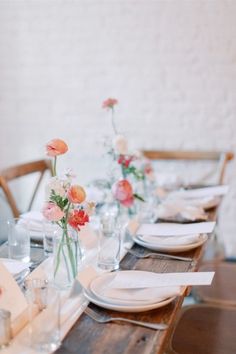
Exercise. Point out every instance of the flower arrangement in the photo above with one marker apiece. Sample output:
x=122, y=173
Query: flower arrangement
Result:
x=127, y=162
x=65, y=206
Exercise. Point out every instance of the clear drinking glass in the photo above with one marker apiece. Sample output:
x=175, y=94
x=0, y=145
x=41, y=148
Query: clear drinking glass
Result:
x=18, y=239
x=109, y=243
x=44, y=314
x=50, y=231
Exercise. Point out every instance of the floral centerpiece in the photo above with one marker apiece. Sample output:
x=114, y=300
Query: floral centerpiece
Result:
x=128, y=163
x=66, y=207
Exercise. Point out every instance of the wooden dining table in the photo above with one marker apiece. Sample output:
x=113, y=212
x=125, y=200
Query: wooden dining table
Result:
x=90, y=337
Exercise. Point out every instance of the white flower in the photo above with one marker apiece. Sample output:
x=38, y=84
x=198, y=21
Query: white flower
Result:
x=120, y=145
x=56, y=185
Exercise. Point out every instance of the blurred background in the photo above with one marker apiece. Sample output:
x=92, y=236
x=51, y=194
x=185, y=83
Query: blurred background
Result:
x=170, y=64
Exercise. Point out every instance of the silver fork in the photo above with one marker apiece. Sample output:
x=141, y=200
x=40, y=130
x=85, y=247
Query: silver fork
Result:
x=103, y=318
x=158, y=255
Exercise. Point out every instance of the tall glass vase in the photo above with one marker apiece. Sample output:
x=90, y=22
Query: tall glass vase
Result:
x=66, y=255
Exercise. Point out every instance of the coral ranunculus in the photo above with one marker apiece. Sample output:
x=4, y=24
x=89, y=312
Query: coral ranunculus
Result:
x=123, y=192
x=76, y=194
x=109, y=103
x=52, y=212
x=56, y=147
x=78, y=218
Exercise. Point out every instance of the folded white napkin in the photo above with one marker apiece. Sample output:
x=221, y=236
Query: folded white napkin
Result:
x=179, y=210
x=171, y=240
x=104, y=287
x=136, y=279
x=148, y=295
x=201, y=202
x=37, y=216
x=201, y=192
x=171, y=229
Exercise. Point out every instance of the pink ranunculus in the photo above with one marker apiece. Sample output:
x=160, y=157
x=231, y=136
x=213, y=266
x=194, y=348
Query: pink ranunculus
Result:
x=123, y=192
x=109, y=103
x=52, y=212
x=56, y=147
x=76, y=194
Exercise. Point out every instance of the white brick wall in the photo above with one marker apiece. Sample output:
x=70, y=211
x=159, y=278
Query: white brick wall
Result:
x=171, y=64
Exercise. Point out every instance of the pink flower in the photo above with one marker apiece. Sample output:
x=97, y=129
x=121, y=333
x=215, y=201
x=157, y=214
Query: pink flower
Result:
x=123, y=192
x=56, y=147
x=52, y=212
x=76, y=194
x=78, y=218
x=109, y=103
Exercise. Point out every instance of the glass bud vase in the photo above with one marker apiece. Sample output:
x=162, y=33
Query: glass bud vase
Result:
x=66, y=255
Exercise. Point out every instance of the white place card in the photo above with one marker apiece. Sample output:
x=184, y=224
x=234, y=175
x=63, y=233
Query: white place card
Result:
x=201, y=192
x=11, y=296
x=140, y=279
x=175, y=229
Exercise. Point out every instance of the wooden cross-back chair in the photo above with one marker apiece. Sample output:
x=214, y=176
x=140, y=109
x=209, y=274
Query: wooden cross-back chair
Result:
x=204, y=329
x=20, y=170
x=221, y=158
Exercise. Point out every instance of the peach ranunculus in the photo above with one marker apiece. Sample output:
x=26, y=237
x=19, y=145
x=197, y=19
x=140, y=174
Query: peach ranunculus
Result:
x=78, y=218
x=76, y=194
x=109, y=103
x=123, y=192
x=56, y=147
x=52, y=212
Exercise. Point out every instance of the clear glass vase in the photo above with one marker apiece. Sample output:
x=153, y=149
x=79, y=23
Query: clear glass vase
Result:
x=66, y=256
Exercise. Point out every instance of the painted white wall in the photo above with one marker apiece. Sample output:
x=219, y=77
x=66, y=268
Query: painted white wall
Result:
x=171, y=64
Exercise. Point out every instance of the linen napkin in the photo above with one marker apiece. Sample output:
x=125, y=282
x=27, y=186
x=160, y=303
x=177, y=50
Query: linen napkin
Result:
x=204, y=203
x=35, y=222
x=135, y=296
x=201, y=192
x=172, y=240
x=174, y=229
x=136, y=279
x=179, y=210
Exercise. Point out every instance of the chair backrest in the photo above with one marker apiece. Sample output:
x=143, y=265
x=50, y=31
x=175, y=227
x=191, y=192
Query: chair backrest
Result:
x=14, y=172
x=221, y=158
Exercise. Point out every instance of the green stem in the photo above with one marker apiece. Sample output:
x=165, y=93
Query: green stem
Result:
x=54, y=167
x=113, y=121
x=67, y=240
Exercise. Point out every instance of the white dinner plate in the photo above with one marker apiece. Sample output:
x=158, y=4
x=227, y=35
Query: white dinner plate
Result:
x=124, y=308
x=147, y=296
x=170, y=248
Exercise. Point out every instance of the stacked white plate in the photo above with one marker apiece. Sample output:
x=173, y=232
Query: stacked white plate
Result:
x=172, y=244
x=103, y=292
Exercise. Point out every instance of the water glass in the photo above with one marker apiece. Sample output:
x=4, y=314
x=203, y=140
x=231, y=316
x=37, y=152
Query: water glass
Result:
x=44, y=314
x=50, y=231
x=109, y=244
x=18, y=239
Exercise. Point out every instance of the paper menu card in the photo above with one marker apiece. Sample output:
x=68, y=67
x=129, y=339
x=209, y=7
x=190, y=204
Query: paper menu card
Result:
x=140, y=279
x=11, y=296
x=175, y=229
x=200, y=192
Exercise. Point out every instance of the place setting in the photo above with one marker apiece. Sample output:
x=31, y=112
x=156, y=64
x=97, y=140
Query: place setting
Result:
x=134, y=291
x=172, y=237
